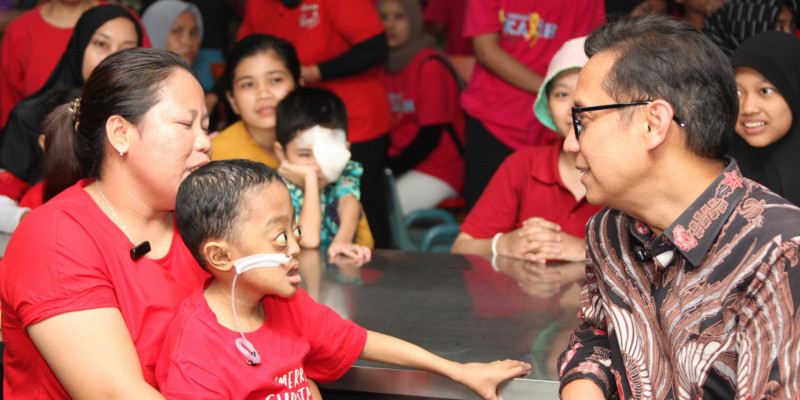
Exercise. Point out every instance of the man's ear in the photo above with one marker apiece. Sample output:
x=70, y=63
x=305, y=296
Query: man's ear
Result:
x=217, y=255
x=233, y=103
x=659, y=123
x=118, y=132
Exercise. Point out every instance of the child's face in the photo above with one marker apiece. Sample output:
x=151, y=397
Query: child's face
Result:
x=300, y=151
x=259, y=83
x=268, y=226
x=561, y=99
x=764, y=115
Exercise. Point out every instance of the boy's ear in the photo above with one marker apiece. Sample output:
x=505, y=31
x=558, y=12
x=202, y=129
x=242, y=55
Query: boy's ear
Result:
x=217, y=255
x=279, y=152
x=232, y=101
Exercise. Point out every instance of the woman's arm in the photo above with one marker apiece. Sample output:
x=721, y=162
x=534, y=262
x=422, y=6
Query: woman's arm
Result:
x=489, y=53
x=361, y=57
x=92, y=355
x=481, y=378
x=421, y=147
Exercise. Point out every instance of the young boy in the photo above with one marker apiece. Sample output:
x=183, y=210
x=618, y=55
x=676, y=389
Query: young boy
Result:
x=266, y=337
x=315, y=162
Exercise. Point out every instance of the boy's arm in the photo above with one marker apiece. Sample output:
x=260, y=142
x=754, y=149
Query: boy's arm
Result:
x=349, y=212
x=483, y=379
x=310, y=219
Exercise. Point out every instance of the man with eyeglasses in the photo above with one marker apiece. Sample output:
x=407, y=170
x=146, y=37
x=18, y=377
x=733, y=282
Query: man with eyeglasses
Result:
x=693, y=282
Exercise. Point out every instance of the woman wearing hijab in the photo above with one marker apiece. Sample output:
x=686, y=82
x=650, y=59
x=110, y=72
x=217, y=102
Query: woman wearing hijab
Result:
x=767, y=144
x=175, y=26
x=428, y=125
x=737, y=20
x=100, y=31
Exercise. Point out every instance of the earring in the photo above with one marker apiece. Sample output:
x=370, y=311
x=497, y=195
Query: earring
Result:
x=122, y=150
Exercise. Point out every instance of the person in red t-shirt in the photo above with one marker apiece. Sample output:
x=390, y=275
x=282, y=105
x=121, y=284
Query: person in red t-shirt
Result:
x=32, y=45
x=535, y=206
x=340, y=45
x=428, y=127
x=514, y=42
x=91, y=279
x=237, y=219
x=446, y=17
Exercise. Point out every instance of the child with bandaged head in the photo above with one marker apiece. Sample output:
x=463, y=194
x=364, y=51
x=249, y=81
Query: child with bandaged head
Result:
x=315, y=163
x=265, y=338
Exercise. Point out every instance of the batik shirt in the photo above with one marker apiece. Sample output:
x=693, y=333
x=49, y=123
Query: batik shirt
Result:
x=711, y=312
x=349, y=183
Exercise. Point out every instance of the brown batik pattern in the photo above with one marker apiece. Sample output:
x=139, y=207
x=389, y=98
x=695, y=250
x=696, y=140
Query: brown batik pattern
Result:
x=718, y=319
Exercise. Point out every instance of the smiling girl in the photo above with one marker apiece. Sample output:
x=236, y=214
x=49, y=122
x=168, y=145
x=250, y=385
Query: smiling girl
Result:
x=767, y=68
x=260, y=72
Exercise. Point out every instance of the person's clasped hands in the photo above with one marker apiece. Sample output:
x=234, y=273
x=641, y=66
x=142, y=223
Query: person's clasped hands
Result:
x=540, y=240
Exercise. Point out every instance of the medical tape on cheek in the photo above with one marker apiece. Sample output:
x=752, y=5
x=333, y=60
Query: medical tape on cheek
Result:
x=263, y=260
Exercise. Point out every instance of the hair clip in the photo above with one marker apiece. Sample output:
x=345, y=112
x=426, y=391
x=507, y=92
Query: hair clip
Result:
x=75, y=109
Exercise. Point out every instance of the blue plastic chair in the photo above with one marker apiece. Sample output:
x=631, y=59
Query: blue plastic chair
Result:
x=406, y=232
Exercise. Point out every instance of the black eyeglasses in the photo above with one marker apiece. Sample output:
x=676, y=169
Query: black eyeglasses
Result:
x=576, y=122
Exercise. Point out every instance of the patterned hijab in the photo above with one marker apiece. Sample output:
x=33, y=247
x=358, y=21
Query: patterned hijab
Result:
x=776, y=55
x=418, y=39
x=734, y=22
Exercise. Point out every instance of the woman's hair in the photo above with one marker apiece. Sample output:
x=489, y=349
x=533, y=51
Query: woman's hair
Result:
x=258, y=43
x=60, y=164
x=306, y=107
x=128, y=84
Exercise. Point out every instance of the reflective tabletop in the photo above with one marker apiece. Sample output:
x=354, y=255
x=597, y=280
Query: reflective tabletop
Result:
x=464, y=308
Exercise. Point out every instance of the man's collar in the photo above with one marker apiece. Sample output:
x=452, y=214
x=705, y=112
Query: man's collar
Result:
x=695, y=230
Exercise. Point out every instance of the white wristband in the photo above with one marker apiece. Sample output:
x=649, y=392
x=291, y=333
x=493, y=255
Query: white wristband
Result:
x=494, y=242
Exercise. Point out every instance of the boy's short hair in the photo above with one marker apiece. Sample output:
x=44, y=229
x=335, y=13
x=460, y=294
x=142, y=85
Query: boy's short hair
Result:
x=305, y=108
x=209, y=201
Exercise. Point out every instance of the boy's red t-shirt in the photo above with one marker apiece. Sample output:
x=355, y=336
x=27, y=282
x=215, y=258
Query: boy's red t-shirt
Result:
x=299, y=340
x=425, y=92
x=322, y=30
x=531, y=32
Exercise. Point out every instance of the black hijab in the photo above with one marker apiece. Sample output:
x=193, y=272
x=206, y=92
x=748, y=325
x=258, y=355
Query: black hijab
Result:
x=737, y=20
x=19, y=149
x=776, y=55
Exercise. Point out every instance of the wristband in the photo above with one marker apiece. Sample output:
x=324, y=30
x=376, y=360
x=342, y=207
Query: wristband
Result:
x=494, y=242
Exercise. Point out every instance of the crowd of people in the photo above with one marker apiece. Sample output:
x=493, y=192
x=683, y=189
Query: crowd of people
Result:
x=139, y=181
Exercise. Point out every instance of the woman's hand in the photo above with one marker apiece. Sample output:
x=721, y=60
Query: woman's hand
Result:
x=310, y=74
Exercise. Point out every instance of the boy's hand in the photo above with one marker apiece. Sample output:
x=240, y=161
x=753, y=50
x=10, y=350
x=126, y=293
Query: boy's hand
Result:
x=297, y=174
x=352, y=250
x=483, y=379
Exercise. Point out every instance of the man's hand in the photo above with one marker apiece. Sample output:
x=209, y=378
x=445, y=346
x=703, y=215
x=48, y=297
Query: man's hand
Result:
x=484, y=379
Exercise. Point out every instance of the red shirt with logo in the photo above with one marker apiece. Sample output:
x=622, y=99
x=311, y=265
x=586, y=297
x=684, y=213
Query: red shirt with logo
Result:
x=425, y=92
x=531, y=32
x=528, y=185
x=322, y=30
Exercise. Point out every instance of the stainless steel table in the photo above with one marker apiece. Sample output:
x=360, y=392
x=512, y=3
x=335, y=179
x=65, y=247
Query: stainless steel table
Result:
x=465, y=308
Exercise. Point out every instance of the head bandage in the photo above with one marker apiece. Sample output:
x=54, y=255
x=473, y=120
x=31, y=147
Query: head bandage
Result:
x=242, y=265
x=330, y=150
